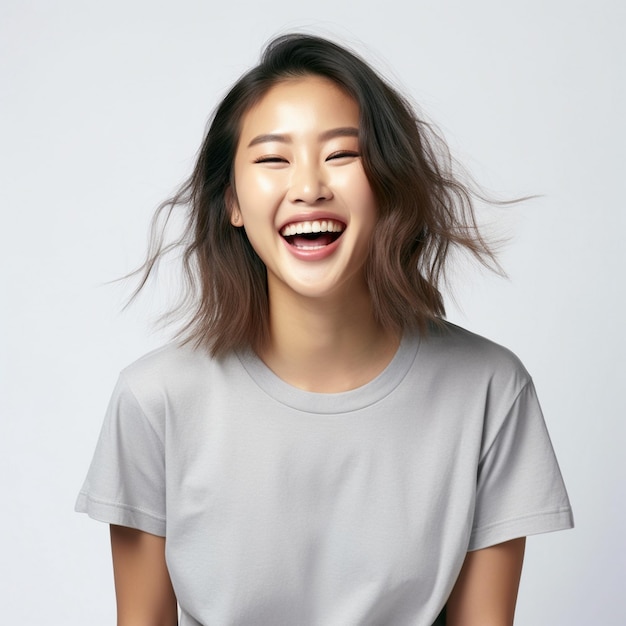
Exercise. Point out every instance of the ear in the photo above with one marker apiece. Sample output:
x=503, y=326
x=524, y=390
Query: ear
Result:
x=232, y=206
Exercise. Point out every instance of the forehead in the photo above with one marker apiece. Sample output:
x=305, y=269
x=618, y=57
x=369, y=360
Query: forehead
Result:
x=301, y=105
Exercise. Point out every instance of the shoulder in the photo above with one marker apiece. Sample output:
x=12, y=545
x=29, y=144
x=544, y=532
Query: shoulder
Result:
x=167, y=374
x=169, y=361
x=460, y=342
x=472, y=359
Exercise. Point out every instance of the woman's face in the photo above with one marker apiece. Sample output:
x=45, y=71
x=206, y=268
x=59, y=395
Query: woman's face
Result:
x=300, y=189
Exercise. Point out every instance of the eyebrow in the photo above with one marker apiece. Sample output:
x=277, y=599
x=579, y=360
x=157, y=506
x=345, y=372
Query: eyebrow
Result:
x=344, y=131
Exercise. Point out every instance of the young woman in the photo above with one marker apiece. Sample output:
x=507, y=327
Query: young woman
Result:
x=321, y=447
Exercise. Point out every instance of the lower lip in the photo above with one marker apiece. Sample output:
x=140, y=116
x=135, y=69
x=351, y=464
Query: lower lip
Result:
x=317, y=254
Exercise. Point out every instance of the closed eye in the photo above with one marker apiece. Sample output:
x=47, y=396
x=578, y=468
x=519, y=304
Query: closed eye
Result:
x=270, y=159
x=342, y=154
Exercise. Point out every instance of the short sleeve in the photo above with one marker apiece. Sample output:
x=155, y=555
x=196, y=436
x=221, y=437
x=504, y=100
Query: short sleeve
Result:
x=520, y=490
x=125, y=484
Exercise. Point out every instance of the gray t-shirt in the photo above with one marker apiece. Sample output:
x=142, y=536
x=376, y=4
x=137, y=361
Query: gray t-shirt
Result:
x=286, y=507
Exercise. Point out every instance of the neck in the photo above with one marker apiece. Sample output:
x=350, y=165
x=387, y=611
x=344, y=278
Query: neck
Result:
x=326, y=345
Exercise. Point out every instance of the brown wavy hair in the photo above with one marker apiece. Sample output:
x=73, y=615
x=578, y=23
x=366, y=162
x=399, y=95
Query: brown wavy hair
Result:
x=424, y=209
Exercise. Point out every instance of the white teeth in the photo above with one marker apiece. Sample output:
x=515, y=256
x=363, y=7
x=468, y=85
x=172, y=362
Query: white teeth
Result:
x=316, y=226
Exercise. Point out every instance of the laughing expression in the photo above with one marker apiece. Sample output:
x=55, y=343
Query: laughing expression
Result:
x=300, y=189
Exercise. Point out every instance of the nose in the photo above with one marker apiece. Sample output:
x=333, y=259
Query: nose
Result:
x=308, y=185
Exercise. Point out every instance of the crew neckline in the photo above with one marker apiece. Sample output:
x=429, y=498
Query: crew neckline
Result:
x=333, y=403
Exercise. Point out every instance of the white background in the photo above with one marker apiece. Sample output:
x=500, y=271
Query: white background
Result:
x=103, y=107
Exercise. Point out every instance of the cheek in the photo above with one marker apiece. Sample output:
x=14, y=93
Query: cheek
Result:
x=267, y=183
x=360, y=195
x=255, y=186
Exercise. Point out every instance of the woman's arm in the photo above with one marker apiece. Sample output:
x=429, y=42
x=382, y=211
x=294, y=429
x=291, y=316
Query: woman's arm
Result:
x=486, y=589
x=142, y=583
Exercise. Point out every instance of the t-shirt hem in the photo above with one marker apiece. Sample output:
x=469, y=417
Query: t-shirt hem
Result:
x=120, y=514
x=561, y=519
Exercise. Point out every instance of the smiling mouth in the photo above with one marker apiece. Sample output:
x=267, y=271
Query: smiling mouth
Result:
x=312, y=235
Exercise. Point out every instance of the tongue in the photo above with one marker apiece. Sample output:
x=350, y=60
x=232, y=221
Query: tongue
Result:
x=299, y=241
